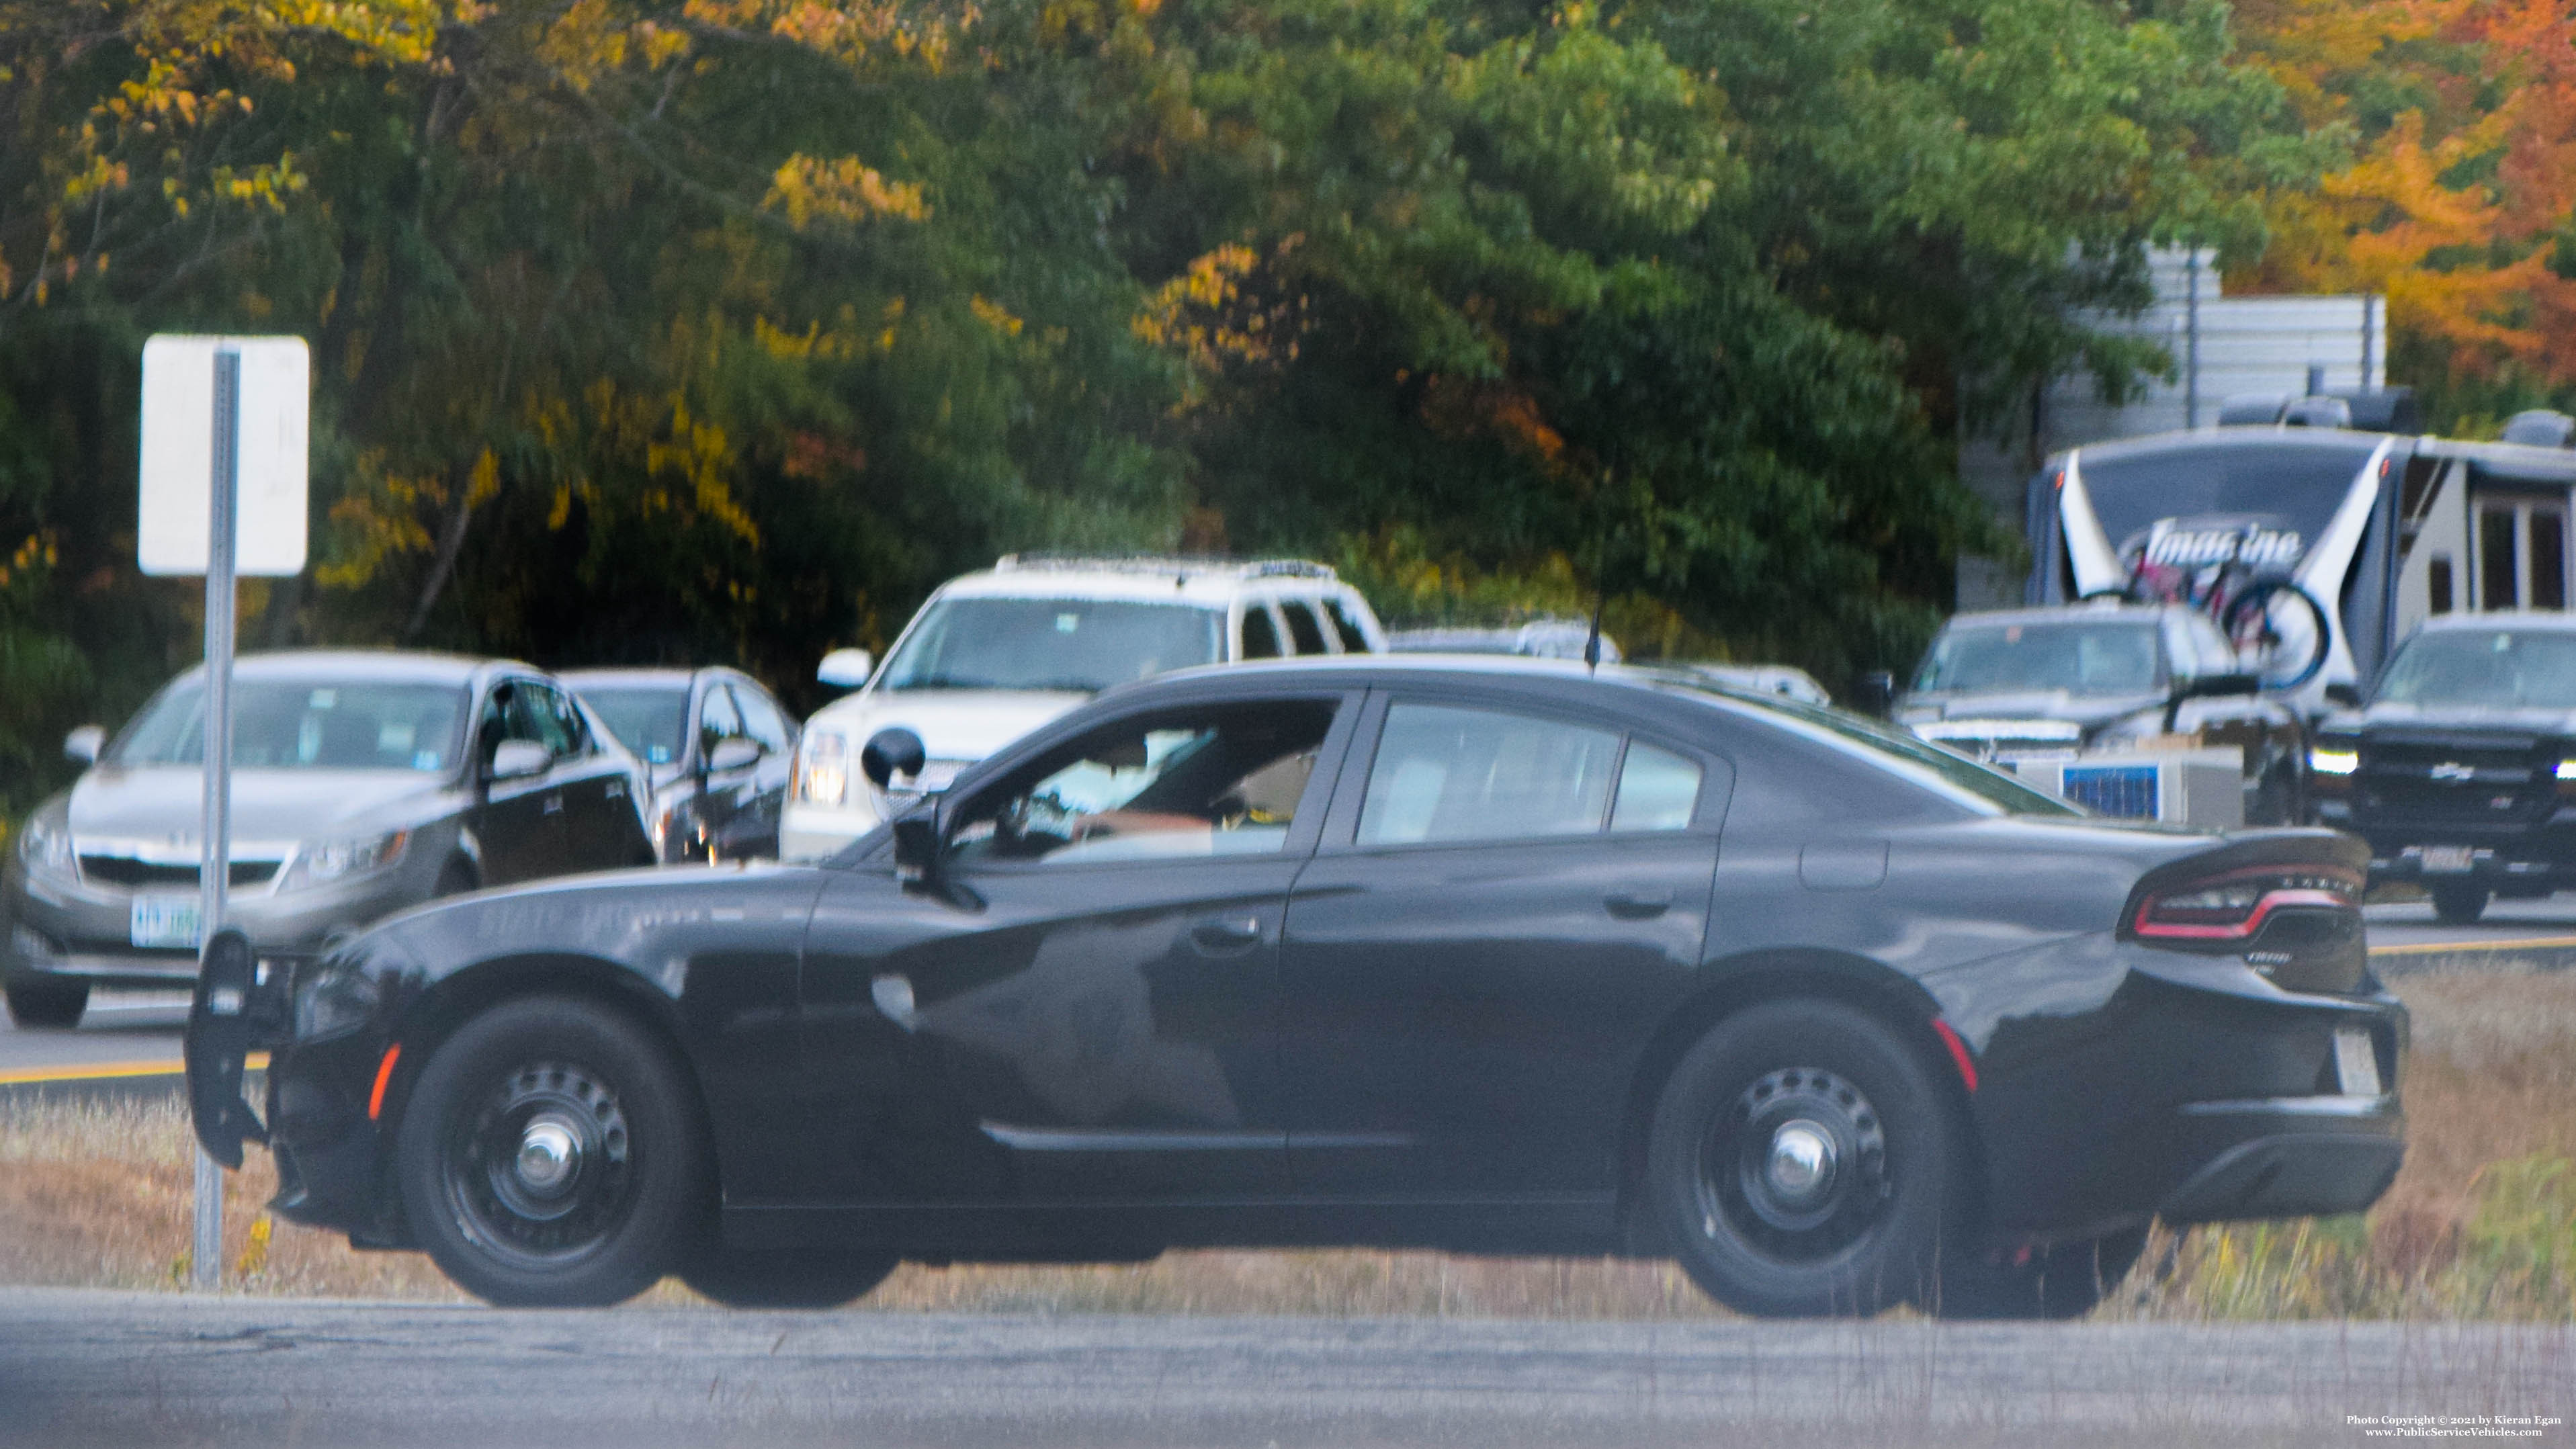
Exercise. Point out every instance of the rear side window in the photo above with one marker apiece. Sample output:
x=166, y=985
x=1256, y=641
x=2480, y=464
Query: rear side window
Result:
x=1445, y=773
x=1658, y=790
x=1302, y=626
x=1260, y=636
x=1354, y=639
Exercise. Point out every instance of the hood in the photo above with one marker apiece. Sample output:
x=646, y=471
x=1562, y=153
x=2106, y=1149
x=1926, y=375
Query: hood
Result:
x=2089, y=711
x=166, y=803
x=963, y=725
x=2449, y=718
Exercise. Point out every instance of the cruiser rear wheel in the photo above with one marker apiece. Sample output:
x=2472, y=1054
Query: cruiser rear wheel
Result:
x=1803, y=1162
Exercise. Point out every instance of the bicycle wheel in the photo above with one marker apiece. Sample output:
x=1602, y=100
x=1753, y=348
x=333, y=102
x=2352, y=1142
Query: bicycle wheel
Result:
x=2282, y=625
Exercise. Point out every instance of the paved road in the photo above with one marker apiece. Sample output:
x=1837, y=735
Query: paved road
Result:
x=2542, y=931
x=81, y=1368
x=123, y=1031
x=126, y=1031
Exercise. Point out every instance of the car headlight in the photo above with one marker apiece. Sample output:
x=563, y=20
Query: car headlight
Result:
x=2344, y=759
x=332, y=999
x=319, y=862
x=46, y=846
x=823, y=769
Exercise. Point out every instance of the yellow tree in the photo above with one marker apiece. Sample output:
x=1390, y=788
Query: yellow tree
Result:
x=2458, y=202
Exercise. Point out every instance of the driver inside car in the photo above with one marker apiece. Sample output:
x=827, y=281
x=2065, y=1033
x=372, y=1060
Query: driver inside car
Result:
x=1214, y=788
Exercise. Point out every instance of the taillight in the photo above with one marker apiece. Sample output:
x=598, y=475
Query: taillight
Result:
x=2234, y=906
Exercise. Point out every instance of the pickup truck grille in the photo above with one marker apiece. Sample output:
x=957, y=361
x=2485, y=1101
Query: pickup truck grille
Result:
x=2470, y=781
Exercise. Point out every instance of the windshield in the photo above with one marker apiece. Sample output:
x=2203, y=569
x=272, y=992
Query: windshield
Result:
x=308, y=724
x=652, y=720
x=1051, y=644
x=2286, y=491
x=2087, y=657
x=2497, y=668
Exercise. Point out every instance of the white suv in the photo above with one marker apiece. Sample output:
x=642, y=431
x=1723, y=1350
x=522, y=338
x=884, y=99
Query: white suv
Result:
x=994, y=655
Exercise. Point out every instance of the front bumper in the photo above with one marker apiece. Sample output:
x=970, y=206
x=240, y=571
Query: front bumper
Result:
x=808, y=832
x=80, y=931
x=2501, y=853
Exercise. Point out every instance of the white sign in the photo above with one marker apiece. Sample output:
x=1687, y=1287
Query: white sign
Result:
x=179, y=460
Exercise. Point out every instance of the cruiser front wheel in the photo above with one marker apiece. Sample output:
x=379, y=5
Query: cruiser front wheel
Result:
x=550, y=1156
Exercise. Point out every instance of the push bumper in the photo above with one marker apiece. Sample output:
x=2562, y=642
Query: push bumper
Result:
x=317, y=1124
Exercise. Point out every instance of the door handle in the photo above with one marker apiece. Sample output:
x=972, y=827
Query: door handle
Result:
x=554, y=804
x=1227, y=936
x=1639, y=905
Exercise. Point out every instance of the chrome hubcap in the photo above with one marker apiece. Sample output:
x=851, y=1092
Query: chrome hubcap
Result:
x=549, y=1154
x=1802, y=1161
x=1796, y=1167
x=544, y=1172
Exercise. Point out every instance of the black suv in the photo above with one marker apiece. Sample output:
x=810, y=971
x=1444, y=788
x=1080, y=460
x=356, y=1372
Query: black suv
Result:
x=2461, y=770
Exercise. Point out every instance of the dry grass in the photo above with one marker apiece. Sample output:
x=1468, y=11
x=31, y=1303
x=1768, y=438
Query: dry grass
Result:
x=2482, y=1222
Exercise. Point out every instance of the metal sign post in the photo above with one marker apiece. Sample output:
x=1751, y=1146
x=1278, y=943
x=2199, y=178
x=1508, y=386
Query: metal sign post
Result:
x=259, y=412
x=214, y=861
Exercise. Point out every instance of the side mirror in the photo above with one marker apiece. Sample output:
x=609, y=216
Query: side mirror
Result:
x=1875, y=693
x=846, y=668
x=916, y=845
x=82, y=745
x=519, y=759
x=2344, y=696
x=733, y=753
x=892, y=752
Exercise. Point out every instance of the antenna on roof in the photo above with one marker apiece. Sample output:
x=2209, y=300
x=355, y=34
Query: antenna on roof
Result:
x=1600, y=591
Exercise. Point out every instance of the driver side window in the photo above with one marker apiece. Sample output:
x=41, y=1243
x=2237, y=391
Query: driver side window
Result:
x=1223, y=780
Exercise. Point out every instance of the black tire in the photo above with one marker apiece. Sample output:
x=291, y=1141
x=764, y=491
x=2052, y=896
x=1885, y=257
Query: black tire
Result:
x=2457, y=903
x=621, y=1191
x=739, y=1279
x=48, y=1005
x=456, y=878
x=2063, y=1282
x=1868, y=1233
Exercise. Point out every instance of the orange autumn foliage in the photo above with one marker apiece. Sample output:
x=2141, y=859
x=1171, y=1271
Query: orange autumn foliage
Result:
x=2458, y=202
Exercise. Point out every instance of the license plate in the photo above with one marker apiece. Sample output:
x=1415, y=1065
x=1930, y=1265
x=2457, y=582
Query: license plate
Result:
x=165, y=921
x=2356, y=1064
x=2449, y=859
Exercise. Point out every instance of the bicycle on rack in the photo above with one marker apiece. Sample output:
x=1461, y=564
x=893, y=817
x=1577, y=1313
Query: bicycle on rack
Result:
x=2273, y=622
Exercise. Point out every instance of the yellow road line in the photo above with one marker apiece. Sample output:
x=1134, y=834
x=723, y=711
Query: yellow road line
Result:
x=109, y=1071
x=2442, y=948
